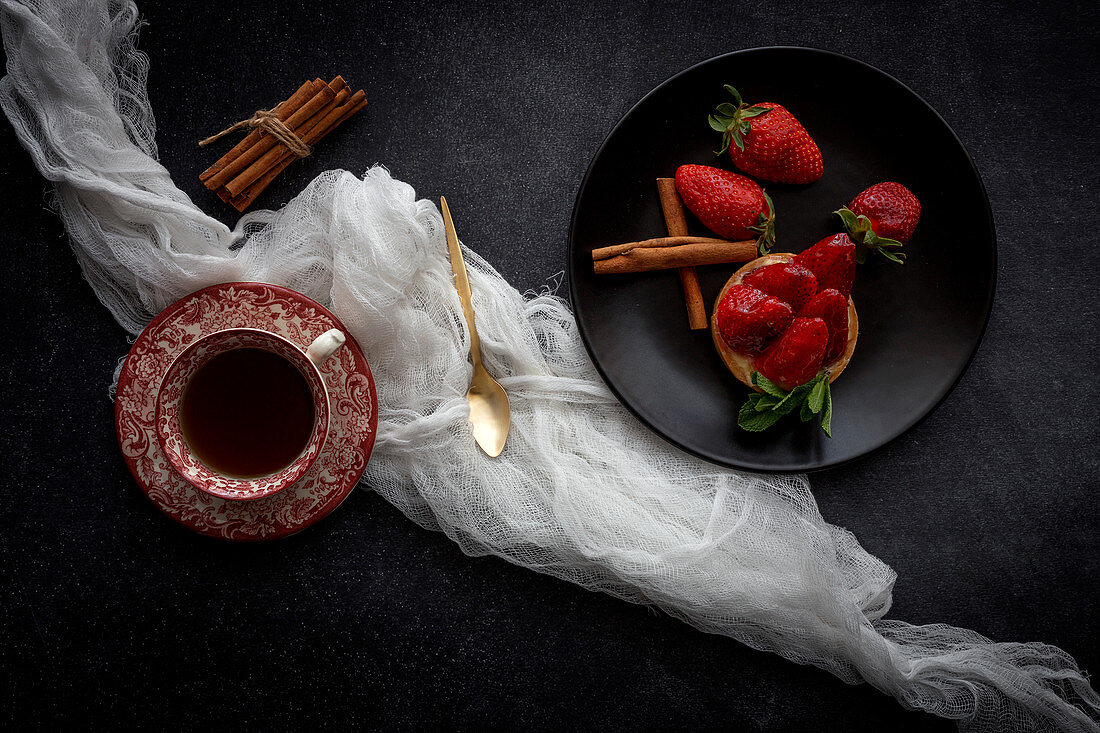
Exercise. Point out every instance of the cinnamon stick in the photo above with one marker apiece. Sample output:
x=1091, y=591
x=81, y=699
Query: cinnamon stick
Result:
x=603, y=253
x=333, y=119
x=676, y=223
x=283, y=111
x=646, y=259
x=266, y=142
x=276, y=153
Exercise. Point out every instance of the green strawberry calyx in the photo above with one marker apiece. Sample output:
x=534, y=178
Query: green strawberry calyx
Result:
x=732, y=120
x=765, y=227
x=860, y=230
x=763, y=409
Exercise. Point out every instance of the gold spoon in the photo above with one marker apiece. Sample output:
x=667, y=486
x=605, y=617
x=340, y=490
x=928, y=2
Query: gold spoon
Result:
x=489, y=413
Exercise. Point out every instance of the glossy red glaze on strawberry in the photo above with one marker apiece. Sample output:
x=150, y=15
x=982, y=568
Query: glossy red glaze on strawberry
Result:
x=749, y=319
x=778, y=148
x=726, y=203
x=833, y=263
x=892, y=208
x=796, y=357
x=831, y=307
x=790, y=282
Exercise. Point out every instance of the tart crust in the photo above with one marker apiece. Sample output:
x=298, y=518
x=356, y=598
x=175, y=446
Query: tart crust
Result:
x=742, y=365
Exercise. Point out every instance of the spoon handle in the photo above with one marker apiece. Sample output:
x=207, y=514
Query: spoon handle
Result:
x=462, y=282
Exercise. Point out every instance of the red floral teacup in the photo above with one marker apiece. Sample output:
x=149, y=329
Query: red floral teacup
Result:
x=243, y=413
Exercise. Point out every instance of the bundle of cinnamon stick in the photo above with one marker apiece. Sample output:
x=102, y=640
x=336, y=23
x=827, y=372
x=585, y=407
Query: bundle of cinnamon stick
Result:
x=279, y=136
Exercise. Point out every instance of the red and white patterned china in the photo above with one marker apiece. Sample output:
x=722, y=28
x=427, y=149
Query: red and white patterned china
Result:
x=174, y=386
x=340, y=460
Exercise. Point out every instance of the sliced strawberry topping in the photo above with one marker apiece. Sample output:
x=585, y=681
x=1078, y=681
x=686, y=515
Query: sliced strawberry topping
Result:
x=831, y=307
x=790, y=282
x=796, y=357
x=748, y=319
x=833, y=263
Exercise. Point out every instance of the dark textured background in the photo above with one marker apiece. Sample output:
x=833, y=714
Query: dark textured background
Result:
x=113, y=614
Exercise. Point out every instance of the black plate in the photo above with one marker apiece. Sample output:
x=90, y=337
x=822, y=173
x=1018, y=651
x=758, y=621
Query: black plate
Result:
x=920, y=323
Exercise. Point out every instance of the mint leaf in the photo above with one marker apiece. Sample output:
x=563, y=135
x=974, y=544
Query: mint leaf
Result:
x=763, y=409
x=786, y=404
x=753, y=421
x=768, y=385
x=793, y=400
x=766, y=402
x=817, y=396
x=760, y=402
x=827, y=414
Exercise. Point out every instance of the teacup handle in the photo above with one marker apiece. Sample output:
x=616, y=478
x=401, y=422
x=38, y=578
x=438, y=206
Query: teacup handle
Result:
x=325, y=346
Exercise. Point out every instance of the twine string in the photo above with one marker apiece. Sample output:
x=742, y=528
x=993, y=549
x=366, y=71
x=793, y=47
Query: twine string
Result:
x=268, y=121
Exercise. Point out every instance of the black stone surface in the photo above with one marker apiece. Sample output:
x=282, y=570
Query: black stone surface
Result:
x=113, y=616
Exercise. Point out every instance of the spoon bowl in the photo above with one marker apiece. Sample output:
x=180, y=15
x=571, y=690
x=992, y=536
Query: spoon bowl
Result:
x=490, y=415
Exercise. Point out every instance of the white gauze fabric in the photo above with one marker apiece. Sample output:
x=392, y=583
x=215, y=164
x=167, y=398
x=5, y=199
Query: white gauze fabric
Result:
x=582, y=492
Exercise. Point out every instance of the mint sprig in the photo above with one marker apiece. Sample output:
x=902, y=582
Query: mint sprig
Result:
x=763, y=409
x=860, y=230
x=732, y=120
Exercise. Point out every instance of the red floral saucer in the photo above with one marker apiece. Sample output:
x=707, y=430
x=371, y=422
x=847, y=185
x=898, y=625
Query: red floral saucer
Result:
x=352, y=428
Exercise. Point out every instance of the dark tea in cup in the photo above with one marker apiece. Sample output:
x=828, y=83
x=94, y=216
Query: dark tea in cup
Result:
x=243, y=413
x=247, y=413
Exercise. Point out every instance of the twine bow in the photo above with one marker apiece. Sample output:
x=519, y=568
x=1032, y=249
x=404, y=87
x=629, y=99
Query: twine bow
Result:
x=268, y=121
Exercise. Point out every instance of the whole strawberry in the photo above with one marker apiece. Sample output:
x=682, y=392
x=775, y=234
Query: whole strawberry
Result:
x=892, y=209
x=833, y=263
x=882, y=218
x=731, y=206
x=766, y=141
x=790, y=282
x=796, y=357
x=831, y=307
x=748, y=319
